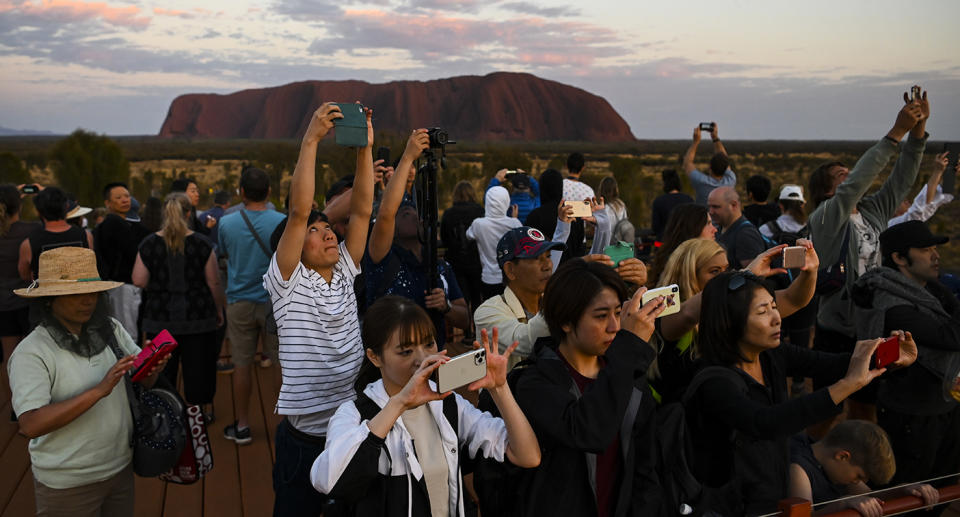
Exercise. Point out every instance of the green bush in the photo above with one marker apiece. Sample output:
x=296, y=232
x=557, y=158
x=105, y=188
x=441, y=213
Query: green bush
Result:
x=84, y=162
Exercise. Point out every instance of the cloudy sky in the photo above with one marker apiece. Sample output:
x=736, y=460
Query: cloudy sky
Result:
x=763, y=69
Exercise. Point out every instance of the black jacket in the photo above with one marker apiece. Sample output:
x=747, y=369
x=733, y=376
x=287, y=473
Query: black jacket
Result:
x=740, y=431
x=461, y=252
x=573, y=428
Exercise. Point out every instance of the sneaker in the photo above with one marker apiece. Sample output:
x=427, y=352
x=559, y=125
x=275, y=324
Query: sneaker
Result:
x=241, y=436
x=224, y=367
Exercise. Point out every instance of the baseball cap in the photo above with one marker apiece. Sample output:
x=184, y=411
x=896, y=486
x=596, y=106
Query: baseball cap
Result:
x=524, y=242
x=792, y=193
x=910, y=234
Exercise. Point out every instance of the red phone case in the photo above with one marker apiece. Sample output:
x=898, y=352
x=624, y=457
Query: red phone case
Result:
x=888, y=352
x=160, y=346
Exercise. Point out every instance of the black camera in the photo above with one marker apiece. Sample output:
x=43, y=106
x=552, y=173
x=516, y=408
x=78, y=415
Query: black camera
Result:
x=438, y=137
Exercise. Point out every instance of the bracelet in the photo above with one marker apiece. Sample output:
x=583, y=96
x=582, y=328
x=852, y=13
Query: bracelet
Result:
x=891, y=139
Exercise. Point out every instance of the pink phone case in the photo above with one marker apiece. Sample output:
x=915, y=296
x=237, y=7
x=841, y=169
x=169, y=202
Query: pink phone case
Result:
x=160, y=346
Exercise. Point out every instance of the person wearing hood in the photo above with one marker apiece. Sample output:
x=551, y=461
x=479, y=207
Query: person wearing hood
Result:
x=487, y=231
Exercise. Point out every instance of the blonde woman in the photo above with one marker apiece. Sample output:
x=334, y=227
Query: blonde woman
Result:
x=691, y=266
x=177, y=269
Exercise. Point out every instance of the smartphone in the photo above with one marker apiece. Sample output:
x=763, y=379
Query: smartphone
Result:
x=671, y=298
x=619, y=252
x=509, y=172
x=706, y=126
x=914, y=93
x=461, y=370
x=887, y=353
x=351, y=130
x=383, y=153
x=794, y=257
x=160, y=346
x=948, y=183
x=580, y=208
x=30, y=189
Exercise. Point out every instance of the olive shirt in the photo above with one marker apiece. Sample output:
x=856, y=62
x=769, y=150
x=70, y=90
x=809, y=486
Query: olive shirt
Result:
x=96, y=445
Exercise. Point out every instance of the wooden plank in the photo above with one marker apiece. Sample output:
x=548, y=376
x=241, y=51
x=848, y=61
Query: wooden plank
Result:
x=149, y=496
x=7, y=429
x=222, y=484
x=183, y=500
x=256, y=461
x=23, y=501
x=15, y=461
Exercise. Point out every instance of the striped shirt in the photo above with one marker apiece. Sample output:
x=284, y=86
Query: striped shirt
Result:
x=320, y=346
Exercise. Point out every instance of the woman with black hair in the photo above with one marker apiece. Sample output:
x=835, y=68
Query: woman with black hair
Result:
x=587, y=398
x=738, y=408
x=51, y=203
x=686, y=222
x=393, y=451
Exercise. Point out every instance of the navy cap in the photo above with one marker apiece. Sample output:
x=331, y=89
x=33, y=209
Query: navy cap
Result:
x=524, y=242
x=910, y=234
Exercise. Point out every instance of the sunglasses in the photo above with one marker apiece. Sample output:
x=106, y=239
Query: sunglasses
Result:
x=738, y=279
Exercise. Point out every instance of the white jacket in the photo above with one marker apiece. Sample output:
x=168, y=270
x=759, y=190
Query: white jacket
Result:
x=488, y=230
x=478, y=431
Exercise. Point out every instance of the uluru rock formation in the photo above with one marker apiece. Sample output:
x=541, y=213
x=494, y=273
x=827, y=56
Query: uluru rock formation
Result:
x=498, y=106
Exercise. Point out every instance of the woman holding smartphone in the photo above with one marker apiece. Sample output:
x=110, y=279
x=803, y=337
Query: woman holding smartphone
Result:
x=394, y=450
x=586, y=396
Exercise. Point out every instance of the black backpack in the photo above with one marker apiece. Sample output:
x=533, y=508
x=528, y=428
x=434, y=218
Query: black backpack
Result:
x=781, y=236
x=683, y=493
x=499, y=486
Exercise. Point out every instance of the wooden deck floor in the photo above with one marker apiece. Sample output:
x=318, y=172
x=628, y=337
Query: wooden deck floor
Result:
x=240, y=484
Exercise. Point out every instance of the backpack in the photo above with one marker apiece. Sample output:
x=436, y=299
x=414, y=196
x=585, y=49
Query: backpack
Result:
x=499, y=486
x=833, y=278
x=683, y=493
x=781, y=236
x=624, y=231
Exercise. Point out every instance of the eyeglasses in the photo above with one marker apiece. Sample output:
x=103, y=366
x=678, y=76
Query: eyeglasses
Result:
x=738, y=279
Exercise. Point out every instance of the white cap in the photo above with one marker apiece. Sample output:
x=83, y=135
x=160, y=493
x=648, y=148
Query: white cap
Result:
x=792, y=192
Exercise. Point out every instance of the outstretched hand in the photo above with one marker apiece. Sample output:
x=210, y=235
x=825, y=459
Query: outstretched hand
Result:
x=419, y=141
x=564, y=211
x=417, y=390
x=761, y=264
x=496, y=362
x=322, y=122
x=641, y=321
x=908, y=349
x=811, y=259
x=858, y=371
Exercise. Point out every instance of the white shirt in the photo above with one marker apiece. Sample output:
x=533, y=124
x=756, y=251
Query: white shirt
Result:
x=320, y=346
x=575, y=190
x=920, y=210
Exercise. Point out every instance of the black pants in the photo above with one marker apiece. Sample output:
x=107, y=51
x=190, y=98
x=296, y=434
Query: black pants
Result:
x=491, y=290
x=294, y=495
x=198, y=353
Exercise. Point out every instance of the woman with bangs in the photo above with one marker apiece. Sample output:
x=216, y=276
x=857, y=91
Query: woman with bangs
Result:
x=691, y=266
x=394, y=450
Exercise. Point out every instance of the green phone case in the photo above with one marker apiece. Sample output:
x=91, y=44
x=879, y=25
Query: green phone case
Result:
x=351, y=130
x=619, y=252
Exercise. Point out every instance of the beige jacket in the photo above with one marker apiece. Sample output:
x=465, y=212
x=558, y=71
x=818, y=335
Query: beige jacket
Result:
x=506, y=314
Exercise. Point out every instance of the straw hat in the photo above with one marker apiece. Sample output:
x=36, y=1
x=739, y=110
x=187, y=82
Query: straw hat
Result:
x=78, y=211
x=67, y=270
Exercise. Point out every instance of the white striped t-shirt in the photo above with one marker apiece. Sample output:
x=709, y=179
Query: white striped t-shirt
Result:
x=320, y=346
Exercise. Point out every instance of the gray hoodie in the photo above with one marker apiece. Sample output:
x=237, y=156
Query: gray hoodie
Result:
x=831, y=220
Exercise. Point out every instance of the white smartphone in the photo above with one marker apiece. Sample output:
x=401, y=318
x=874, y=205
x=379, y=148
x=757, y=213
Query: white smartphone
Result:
x=580, y=208
x=671, y=297
x=794, y=257
x=461, y=370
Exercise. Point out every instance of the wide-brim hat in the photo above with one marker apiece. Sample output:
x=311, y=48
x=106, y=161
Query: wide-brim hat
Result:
x=78, y=211
x=67, y=270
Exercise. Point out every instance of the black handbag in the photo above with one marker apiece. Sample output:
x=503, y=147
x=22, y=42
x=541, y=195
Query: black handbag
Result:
x=159, y=426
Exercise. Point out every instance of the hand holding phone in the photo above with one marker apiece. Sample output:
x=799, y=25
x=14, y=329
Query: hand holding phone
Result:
x=580, y=208
x=794, y=257
x=153, y=352
x=619, y=252
x=30, y=189
x=887, y=353
x=671, y=298
x=461, y=370
x=351, y=130
x=706, y=126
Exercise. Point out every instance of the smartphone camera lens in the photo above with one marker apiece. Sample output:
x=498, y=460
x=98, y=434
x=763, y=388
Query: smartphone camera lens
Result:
x=479, y=358
x=675, y=289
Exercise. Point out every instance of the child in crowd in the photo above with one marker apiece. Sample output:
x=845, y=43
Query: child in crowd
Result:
x=839, y=465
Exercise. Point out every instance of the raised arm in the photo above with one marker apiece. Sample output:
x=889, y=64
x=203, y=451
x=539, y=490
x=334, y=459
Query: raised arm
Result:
x=361, y=197
x=691, y=152
x=382, y=235
x=302, y=188
x=715, y=136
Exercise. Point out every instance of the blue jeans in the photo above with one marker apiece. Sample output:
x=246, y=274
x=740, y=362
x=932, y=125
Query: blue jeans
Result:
x=294, y=495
